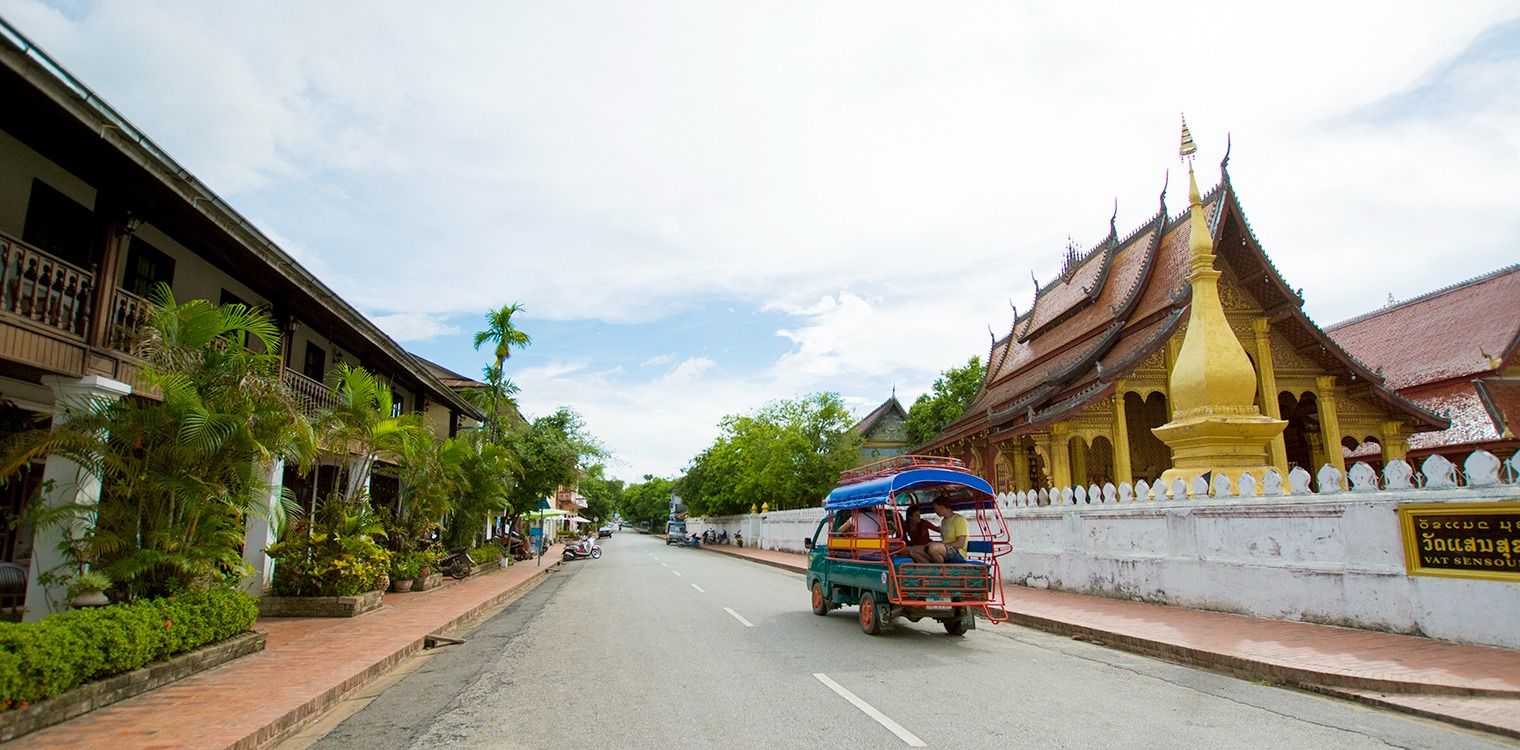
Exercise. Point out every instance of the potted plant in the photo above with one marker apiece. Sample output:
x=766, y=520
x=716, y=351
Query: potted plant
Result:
x=403, y=570
x=88, y=590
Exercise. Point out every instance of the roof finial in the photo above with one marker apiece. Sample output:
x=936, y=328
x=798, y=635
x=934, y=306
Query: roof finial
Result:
x=1188, y=147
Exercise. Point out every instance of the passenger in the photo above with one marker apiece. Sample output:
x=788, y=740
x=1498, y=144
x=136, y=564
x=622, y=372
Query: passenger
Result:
x=954, y=535
x=916, y=534
x=862, y=524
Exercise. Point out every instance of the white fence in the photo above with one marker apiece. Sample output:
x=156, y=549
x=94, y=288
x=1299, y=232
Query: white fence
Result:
x=1335, y=556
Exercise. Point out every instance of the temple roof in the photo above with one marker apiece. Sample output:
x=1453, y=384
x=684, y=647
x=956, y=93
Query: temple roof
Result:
x=891, y=405
x=1114, y=306
x=1449, y=333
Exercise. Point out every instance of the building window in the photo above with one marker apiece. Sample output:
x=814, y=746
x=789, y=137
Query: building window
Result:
x=147, y=267
x=315, y=366
x=58, y=225
x=228, y=298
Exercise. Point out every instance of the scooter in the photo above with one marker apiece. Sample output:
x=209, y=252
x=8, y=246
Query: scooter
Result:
x=458, y=563
x=583, y=548
x=694, y=541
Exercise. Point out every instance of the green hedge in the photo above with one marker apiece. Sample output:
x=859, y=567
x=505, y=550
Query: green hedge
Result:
x=42, y=659
x=486, y=554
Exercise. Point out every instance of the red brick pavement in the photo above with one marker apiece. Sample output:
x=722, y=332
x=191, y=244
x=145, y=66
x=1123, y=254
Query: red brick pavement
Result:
x=307, y=665
x=1474, y=686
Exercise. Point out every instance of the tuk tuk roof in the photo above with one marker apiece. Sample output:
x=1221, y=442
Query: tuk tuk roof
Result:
x=964, y=490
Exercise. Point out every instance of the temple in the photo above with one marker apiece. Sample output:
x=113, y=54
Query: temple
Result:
x=1086, y=387
x=882, y=433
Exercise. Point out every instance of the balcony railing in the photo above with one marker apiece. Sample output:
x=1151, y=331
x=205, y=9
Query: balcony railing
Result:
x=313, y=394
x=44, y=289
x=128, y=314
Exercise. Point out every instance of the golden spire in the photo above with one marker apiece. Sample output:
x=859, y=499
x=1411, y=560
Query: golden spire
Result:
x=1215, y=427
x=1188, y=147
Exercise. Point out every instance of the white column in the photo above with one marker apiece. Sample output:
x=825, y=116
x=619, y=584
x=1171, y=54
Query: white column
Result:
x=65, y=482
x=258, y=532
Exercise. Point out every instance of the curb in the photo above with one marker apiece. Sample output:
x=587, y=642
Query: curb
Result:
x=762, y=561
x=299, y=717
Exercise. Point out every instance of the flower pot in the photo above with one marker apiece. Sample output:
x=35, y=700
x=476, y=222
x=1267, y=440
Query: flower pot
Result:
x=88, y=599
x=401, y=585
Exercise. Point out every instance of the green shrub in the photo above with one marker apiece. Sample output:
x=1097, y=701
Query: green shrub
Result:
x=486, y=554
x=42, y=659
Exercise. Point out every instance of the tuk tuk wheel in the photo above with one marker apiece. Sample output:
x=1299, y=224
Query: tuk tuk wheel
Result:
x=821, y=603
x=870, y=613
x=955, y=627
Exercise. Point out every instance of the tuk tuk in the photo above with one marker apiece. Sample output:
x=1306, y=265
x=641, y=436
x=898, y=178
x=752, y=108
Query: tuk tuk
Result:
x=857, y=554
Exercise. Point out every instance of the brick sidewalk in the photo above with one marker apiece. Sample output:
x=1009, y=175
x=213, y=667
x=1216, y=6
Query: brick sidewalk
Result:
x=307, y=665
x=1473, y=686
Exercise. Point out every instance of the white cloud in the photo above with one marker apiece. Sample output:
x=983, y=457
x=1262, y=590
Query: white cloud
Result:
x=689, y=370
x=407, y=327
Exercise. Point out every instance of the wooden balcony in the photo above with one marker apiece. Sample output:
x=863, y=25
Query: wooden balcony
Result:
x=44, y=309
x=314, y=395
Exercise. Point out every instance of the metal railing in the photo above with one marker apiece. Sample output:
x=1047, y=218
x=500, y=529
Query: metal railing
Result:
x=44, y=289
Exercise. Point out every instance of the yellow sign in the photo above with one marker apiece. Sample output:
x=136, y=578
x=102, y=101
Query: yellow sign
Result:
x=1462, y=540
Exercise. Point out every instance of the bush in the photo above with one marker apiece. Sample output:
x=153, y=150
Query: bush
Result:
x=327, y=565
x=42, y=659
x=486, y=554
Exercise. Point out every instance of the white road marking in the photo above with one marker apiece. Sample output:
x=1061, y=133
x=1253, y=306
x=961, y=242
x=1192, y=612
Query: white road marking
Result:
x=698, y=588
x=739, y=617
x=677, y=572
x=665, y=564
x=869, y=710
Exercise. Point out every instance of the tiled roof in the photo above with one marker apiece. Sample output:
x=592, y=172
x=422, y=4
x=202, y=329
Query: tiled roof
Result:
x=864, y=426
x=1439, y=336
x=1470, y=422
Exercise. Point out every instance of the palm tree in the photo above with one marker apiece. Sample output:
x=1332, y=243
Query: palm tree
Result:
x=499, y=328
x=496, y=399
x=178, y=476
x=358, y=429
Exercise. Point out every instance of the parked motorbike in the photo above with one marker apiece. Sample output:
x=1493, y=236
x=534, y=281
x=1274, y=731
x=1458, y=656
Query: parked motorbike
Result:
x=582, y=548
x=458, y=563
x=694, y=541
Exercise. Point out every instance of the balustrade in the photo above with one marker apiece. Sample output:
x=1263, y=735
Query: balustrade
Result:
x=128, y=312
x=44, y=289
x=313, y=394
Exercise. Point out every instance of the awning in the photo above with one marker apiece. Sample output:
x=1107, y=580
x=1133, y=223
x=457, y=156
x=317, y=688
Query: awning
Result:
x=576, y=520
x=539, y=515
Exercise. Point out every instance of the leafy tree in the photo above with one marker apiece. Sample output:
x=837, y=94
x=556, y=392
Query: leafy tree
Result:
x=497, y=399
x=953, y=392
x=603, y=495
x=484, y=473
x=177, y=476
x=648, y=502
x=358, y=429
x=550, y=452
x=786, y=455
x=499, y=328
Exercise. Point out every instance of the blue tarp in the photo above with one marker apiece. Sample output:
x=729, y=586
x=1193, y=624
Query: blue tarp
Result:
x=962, y=489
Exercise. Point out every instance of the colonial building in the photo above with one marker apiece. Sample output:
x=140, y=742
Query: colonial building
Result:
x=882, y=432
x=1073, y=392
x=92, y=215
x=1456, y=352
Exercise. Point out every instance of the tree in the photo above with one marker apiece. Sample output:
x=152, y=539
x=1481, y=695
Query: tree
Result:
x=359, y=428
x=953, y=392
x=177, y=476
x=648, y=503
x=499, y=328
x=786, y=455
x=603, y=495
x=550, y=452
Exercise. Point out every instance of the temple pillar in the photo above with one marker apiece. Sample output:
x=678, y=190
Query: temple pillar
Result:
x=1021, y=480
x=1329, y=423
x=1122, y=471
x=1395, y=442
x=64, y=483
x=1079, y=448
x=1277, y=450
x=1060, y=456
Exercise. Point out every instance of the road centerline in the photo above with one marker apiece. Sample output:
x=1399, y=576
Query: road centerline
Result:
x=739, y=617
x=698, y=588
x=903, y=734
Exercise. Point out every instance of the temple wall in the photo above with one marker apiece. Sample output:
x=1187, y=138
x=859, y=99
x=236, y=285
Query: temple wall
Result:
x=1334, y=558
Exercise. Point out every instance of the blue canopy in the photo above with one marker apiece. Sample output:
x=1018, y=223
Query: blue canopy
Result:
x=923, y=486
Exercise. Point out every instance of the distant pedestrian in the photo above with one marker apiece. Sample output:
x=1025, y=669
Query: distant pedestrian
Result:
x=739, y=538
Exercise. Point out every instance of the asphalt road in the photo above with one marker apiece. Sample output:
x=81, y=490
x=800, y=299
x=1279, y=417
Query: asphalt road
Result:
x=665, y=647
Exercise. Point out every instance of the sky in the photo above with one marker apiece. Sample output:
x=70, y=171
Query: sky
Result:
x=705, y=206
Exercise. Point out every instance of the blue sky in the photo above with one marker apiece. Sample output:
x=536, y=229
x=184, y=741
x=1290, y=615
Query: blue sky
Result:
x=705, y=206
